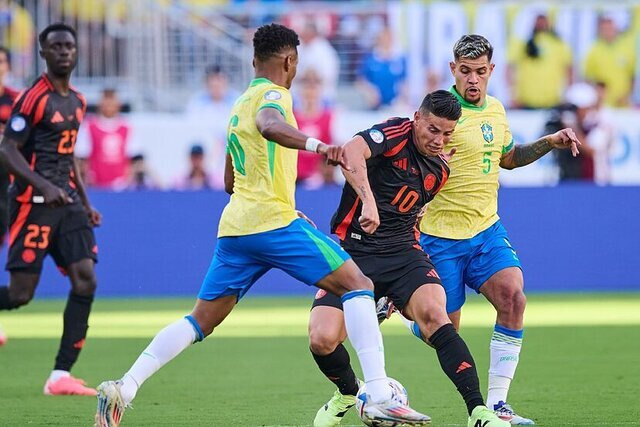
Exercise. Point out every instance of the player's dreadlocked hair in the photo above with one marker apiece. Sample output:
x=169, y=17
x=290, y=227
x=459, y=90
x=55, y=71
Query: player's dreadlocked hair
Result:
x=271, y=39
x=472, y=46
x=443, y=104
x=58, y=26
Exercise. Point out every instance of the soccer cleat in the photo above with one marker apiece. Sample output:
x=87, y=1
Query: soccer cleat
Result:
x=505, y=412
x=111, y=406
x=392, y=413
x=384, y=309
x=485, y=417
x=66, y=386
x=334, y=410
x=3, y=338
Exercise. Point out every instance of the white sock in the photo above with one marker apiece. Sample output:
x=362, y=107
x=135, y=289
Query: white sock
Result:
x=166, y=345
x=364, y=333
x=504, y=355
x=56, y=374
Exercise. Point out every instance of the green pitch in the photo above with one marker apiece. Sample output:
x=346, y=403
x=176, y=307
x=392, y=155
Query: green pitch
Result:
x=580, y=364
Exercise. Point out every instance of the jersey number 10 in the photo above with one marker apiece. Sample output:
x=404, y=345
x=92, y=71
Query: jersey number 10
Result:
x=407, y=202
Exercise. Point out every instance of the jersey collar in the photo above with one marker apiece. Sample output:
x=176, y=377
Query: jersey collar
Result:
x=259, y=81
x=466, y=104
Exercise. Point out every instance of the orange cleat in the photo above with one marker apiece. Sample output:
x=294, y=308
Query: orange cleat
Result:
x=65, y=386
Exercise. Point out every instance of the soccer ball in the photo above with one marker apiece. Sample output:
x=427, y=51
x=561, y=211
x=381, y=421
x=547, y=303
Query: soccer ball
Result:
x=398, y=392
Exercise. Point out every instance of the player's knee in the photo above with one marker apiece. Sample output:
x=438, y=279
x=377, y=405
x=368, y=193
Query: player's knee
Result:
x=512, y=300
x=322, y=341
x=359, y=283
x=85, y=283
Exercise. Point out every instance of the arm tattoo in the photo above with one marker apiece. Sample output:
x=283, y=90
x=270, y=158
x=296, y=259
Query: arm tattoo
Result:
x=363, y=191
x=529, y=153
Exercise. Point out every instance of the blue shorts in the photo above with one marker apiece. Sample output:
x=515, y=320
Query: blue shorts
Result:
x=298, y=249
x=469, y=261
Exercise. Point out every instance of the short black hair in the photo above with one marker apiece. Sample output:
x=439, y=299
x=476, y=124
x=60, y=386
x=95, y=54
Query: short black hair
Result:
x=212, y=70
x=271, y=39
x=472, y=46
x=7, y=53
x=58, y=26
x=441, y=103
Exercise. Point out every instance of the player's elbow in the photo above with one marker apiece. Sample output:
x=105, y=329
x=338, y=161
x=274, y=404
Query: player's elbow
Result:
x=507, y=165
x=228, y=187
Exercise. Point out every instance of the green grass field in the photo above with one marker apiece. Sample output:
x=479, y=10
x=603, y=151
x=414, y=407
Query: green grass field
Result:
x=580, y=364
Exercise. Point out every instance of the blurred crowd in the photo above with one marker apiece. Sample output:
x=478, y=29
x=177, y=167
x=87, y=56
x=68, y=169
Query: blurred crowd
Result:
x=542, y=73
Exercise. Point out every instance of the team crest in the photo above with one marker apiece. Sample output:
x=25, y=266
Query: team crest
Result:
x=272, y=95
x=376, y=136
x=429, y=182
x=487, y=132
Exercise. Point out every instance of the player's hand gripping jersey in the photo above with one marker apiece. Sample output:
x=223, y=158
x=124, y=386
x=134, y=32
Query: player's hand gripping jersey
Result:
x=264, y=172
x=46, y=124
x=469, y=202
x=402, y=181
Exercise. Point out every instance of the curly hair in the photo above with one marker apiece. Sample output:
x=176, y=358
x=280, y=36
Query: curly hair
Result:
x=58, y=26
x=271, y=39
x=441, y=103
x=472, y=46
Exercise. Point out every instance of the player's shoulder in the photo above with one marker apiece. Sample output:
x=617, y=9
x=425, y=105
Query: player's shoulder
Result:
x=78, y=95
x=495, y=105
x=30, y=97
x=266, y=90
x=394, y=127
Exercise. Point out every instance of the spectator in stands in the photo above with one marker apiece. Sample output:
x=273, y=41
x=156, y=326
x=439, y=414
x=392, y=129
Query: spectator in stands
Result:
x=540, y=68
x=216, y=99
x=139, y=176
x=197, y=178
x=17, y=33
x=7, y=94
x=612, y=60
x=105, y=140
x=314, y=118
x=316, y=53
x=382, y=73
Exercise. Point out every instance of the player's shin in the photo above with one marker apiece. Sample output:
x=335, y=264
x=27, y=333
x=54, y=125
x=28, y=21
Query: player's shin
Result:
x=5, y=302
x=504, y=355
x=76, y=323
x=364, y=333
x=337, y=367
x=166, y=345
x=456, y=361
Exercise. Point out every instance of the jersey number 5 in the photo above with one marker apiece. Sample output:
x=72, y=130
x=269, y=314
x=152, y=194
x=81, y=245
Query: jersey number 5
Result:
x=407, y=202
x=68, y=141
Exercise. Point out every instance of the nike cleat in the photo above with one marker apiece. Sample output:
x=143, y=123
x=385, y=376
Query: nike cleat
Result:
x=505, y=412
x=68, y=386
x=334, y=410
x=384, y=309
x=391, y=413
x=485, y=417
x=111, y=406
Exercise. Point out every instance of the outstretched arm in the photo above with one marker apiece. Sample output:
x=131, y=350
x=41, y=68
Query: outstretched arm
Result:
x=273, y=127
x=522, y=155
x=356, y=153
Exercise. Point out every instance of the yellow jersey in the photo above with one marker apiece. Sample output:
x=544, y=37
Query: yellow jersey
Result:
x=264, y=172
x=540, y=81
x=468, y=203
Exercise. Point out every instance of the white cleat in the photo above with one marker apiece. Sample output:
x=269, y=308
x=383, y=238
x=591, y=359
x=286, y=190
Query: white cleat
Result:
x=505, y=412
x=391, y=413
x=111, y=406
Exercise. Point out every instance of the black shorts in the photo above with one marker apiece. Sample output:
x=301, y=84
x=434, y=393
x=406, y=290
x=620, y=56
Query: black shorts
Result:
x=396, y=276
x=37, y=230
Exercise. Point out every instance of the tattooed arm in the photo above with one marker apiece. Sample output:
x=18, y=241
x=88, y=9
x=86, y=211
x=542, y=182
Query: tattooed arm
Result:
x=522, y=155
x=355, y=154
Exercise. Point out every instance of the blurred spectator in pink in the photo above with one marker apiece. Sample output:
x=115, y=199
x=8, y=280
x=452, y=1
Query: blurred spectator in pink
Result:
x=197, y=177
x=140, y=178
x=314, y=118
x=382, y=73
x=316, y=53
x=216, y=99
x=105, y=141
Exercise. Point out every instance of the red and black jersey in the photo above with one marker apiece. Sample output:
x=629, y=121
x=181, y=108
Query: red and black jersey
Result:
x=6, y=102
x=45, y=124
x=402, y=181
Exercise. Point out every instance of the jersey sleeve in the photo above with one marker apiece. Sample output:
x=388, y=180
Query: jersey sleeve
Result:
x=278, y=98
x=385, y=137
x=26, y=112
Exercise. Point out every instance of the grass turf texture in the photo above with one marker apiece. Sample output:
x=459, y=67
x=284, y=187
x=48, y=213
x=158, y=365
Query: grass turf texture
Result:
x=579, y=364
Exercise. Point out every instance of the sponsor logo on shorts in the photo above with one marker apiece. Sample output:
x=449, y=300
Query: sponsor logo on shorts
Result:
x=320, y=293
x=28, y=256
x=376, y=136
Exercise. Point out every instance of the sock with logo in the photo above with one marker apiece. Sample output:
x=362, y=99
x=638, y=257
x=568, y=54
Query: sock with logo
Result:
x=337, y=367
x=504, y=355
x=456, y=361
x=75, y=318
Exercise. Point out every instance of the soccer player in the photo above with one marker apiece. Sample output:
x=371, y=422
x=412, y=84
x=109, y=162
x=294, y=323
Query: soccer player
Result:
x=49, y=209
x=462, y=231
x=397, y=167
x=7, y=96
x=260, y=229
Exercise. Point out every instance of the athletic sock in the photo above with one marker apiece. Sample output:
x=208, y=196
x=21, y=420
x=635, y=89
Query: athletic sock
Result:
x=456, y=361
x=504, y=355
x=337, y=367
x=5, y=302
x=364, y=333
x=56, y=374
x=166, y=345
x=74, y=332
